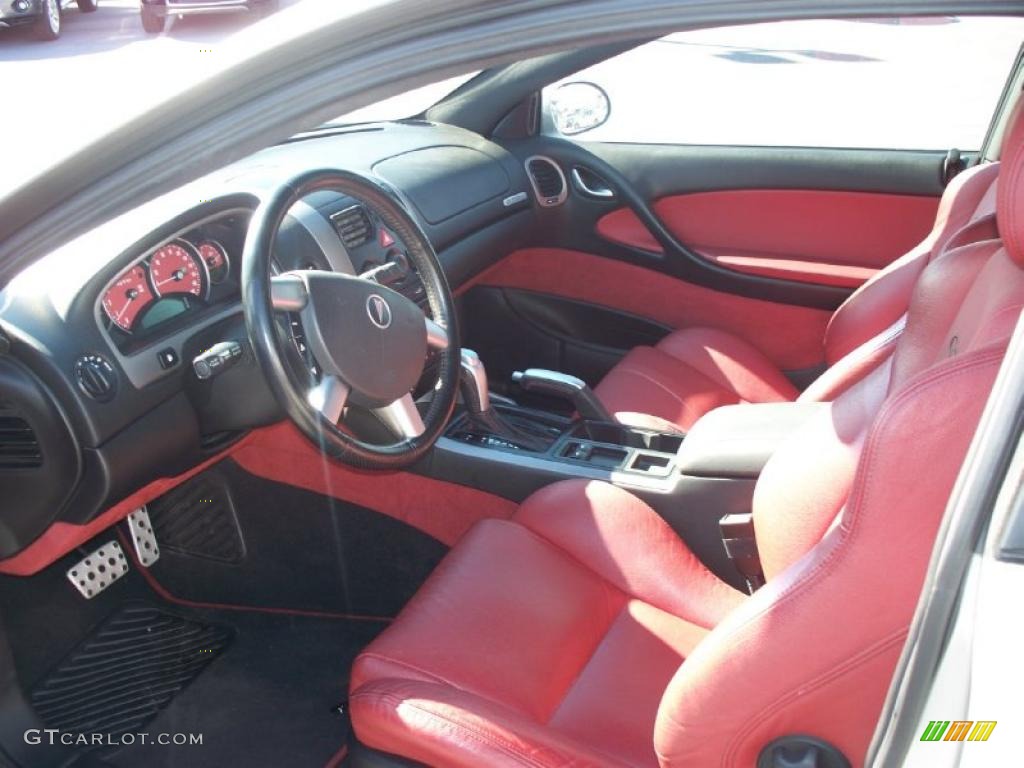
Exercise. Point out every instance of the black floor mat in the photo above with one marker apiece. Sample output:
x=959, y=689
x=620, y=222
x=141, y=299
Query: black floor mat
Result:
x=127, y=670
x=270, y=699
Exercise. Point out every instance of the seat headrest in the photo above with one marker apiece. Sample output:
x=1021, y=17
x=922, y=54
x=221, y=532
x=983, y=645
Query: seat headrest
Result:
x=1010, y=190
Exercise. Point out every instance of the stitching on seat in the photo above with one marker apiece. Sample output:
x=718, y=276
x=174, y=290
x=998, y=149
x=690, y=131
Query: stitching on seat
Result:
x=395, y=701
x=571, y=557
x=584, y=665
x=398, y=662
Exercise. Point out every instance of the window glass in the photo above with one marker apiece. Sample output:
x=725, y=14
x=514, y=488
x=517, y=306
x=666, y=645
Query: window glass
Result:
x=911, y=83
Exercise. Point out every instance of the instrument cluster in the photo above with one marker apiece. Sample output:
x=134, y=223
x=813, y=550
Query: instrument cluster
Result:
x=180, y=277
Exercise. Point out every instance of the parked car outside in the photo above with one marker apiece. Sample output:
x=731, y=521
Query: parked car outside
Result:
x=44, y=16
x=155, y=12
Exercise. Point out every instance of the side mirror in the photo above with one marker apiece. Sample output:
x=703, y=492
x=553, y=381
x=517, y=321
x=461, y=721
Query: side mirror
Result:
x=579, y=107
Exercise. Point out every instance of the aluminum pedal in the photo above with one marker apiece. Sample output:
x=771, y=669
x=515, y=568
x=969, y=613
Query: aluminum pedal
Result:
x=98, y=570
x=143, y=538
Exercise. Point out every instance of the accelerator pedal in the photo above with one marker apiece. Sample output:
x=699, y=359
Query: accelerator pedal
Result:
x=143, y=537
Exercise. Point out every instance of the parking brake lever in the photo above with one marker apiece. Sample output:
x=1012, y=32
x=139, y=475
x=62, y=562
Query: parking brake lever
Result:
x=561, y=385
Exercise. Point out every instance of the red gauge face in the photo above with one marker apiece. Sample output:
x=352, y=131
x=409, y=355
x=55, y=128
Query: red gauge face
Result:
x=175, y=269
x=216, y=259
x=126, y=299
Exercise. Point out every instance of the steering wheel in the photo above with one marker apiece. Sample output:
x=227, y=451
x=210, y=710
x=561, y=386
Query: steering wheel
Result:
x=369, y=342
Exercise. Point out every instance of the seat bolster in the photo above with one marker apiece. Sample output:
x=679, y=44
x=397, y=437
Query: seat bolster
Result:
x=731, y=362
x=854, y=366
x=689, y=373
x=617, y=536
x=437, y=724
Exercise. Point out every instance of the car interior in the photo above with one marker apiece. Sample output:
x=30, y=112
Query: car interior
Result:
x=457, y=441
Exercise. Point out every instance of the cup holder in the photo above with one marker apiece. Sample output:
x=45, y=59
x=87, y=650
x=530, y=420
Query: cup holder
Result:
x=617, y=434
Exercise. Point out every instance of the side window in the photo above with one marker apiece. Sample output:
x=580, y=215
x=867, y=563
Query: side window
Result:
x=911, y=83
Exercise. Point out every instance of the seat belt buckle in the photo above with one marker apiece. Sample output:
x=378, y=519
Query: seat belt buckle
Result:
x=740, y=544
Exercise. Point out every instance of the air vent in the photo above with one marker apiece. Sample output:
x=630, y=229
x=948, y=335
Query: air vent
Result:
x=352, y=225
x=19, y=447
x=95, y=377
x=547, y=179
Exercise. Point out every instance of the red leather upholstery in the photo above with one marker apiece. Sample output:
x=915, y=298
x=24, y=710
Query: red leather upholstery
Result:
x=675, y=382
x=689, y=373
x=811, y=235
x=582, y=632
x=542, y=640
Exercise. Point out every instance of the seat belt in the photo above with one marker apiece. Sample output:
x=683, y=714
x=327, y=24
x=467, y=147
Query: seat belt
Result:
x=952, y=164
x=741, y=546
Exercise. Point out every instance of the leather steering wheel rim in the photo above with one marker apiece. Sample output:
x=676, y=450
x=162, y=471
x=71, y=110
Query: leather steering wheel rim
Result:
x=271, y=349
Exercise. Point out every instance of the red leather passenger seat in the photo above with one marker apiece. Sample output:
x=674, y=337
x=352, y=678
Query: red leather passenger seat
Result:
x=694, y=370
x=583, y=632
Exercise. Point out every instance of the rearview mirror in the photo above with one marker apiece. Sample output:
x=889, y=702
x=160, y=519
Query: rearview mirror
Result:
x=579, y=107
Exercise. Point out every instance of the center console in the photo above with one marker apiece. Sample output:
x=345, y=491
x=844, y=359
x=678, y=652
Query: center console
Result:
x=692, y=480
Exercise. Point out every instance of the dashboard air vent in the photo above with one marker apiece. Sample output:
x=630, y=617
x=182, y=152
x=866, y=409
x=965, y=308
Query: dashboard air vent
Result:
x=352, y=225
x=19, y=446
x=548, y=180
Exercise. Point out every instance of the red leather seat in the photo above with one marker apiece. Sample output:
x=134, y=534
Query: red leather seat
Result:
x=583, y=632
x=694, y=370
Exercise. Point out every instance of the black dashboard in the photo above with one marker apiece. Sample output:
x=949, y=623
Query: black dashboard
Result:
x=97, y=339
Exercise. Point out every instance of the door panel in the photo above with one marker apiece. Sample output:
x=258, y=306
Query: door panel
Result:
x=791, y=336
x=762, y=242
x=817, y=236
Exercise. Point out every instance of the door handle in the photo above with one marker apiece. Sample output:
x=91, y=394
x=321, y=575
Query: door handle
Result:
x=597, y=187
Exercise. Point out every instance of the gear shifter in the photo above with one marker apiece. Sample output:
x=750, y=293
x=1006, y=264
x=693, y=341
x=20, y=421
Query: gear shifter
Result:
x=483, y=418
x=564, y=387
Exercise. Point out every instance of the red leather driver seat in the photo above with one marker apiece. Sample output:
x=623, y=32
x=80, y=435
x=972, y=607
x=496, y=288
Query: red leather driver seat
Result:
x=583, y=632
x=694, y=370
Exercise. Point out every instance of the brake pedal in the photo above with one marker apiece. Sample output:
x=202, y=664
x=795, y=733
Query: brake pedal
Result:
x=143, y=537
x=98, y=570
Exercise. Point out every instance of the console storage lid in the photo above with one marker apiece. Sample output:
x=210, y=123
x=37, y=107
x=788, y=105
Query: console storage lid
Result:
x=738, y=440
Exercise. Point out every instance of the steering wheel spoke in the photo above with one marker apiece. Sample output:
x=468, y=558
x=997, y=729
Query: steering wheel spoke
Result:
x=402, y=417
x=329, y=397
x=437, y=335
x=288, y=293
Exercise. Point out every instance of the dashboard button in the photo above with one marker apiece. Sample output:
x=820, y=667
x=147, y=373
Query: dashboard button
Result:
x=168, y=358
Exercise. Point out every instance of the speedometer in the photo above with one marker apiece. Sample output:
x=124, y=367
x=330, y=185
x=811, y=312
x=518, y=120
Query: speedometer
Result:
x=177, y=269
x=126, y=299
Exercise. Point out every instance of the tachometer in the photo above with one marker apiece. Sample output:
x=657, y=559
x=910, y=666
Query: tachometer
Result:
x=176, y=268
x=215, y=256
x=126, y=299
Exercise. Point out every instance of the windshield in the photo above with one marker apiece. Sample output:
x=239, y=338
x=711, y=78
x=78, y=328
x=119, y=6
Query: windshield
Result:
x=106, y=68
x=408, y=104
